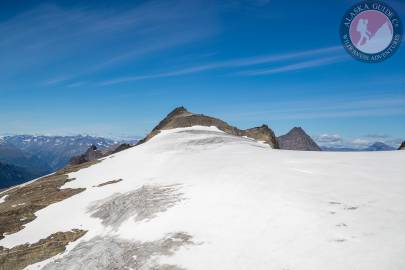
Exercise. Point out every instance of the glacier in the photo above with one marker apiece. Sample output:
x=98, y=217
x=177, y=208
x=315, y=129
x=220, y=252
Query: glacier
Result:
x=198, y=198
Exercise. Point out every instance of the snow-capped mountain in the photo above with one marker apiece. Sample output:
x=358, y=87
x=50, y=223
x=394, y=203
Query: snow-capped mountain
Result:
x=204, y=197
x=57, y=150
x=40, y=155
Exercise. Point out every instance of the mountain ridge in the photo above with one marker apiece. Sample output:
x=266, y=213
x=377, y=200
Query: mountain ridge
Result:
x=180, y=117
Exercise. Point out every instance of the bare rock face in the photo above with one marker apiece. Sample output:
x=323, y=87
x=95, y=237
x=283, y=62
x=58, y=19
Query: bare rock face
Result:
x=93, y=153
x=21, y=256
x=297, y=139
x=180, y=117
x=117, y=148
x=263, y=133
x=402, y=146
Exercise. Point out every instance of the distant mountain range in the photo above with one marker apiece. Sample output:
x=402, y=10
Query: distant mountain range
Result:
x=12, y=155
x=32, y=156
x=377, y=146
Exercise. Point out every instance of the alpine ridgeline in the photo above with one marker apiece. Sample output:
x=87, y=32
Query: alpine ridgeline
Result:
x=297, y=139
x=180, y=118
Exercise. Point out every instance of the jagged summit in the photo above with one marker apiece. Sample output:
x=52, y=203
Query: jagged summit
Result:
x=93, y=153
x=298, y=130
x=181, y=117
x=402, y=146
x=297, y=139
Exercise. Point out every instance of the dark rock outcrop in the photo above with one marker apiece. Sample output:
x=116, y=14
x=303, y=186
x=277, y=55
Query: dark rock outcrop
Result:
x=402, y=146
x=297, y=139
x=93, y=153
x=116, y=148
x=23, y=255
x=180, y=117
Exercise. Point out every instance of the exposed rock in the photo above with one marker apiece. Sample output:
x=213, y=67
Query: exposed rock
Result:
x=402, y=146
x=263, y=133
x=93, y=153
x=23, y=201
x=21, y=256
x=297, y=139
x=116, y=148
x=109, y=182
x=180, y=117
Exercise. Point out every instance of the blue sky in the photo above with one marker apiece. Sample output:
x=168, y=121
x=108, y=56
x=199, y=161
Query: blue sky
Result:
x=117, y=67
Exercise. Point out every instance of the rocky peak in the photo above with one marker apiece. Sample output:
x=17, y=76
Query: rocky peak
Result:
x=181, y=117
x=263, y=133
x=297, y=130
x=92, y=148
x=91, y=154
x=297, y=139
x=402, y=146
x=178, y=111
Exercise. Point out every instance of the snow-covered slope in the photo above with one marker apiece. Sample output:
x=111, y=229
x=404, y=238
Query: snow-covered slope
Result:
x=198, y=198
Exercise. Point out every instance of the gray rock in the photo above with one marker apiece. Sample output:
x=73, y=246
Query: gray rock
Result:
x=91, y=154
x=297, y=139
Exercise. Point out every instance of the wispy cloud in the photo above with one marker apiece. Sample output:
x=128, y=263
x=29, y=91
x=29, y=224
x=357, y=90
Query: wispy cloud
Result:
x=327, y=108
x=72, y=41
x=244, y=62
x=328, y=139
x=295, y=66
x=339, y=114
